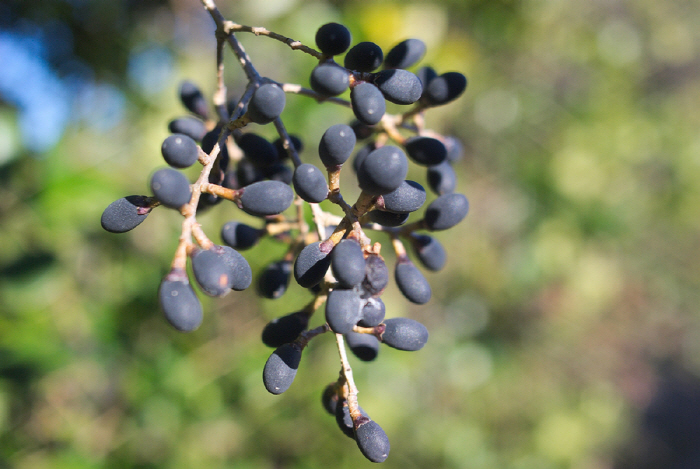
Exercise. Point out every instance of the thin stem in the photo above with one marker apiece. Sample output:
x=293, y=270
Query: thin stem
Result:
x=259, y=31
x=220, y=94
x=287, y=142
x=300, y=90
x=346, y=371
x=230, y=37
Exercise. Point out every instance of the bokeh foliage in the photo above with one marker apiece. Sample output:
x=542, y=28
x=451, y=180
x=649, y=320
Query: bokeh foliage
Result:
x=568, y=304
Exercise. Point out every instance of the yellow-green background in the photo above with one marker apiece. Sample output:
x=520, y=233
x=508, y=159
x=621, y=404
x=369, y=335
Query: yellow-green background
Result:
x=567, y=307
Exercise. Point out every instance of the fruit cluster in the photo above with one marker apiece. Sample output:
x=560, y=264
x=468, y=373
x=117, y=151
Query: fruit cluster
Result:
x=337, y=261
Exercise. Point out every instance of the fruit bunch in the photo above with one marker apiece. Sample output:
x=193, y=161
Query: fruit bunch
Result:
x=338, y=262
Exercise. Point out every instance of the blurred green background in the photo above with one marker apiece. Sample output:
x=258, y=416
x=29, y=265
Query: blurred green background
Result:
x=564, y=329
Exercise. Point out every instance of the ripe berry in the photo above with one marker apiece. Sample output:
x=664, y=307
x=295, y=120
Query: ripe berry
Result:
x=333, y=38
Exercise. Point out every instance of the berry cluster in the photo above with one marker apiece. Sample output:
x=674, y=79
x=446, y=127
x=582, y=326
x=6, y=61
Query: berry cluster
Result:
x=338, y=263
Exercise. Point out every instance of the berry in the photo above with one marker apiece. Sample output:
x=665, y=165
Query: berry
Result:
x=425, y=75
x=209, y=141
x=282, y=152
x=125, y=214
x=310, y=183
x=329, y=399
x=266, y=104
x=445, y=88
x=336, y=145
x=348, y=263
x=367, y=103
x=364, y=57
x=241, y=274
x=212, y=271
x=383, y=170
x=388, y=219
x=411, y=282
x=258, y=150
x=362, y=131
x=329, y=79
x=333, y=38
x=429, y=251
x=373, y=312
x=363, y=346
x=399, y=86
x=285, y=329
x=311, y=265
x=455, y=150
x=179, y=302
x=266, y=198
x=404, y=334
x=279, y=172
x=371, y=440
x=190, y=126
x=361, y=155
x=170, y=187
x=247, y=173
x=405, y=54
x=281, y=368
x=376, y=276
x=239, y=235
x=446, y=211
x=343, y=310
x=442, y=178
x=343, y=418
x=426, y=151
x=180, y=151
x=408, y=197
x=274, y=280
x=192, y=98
